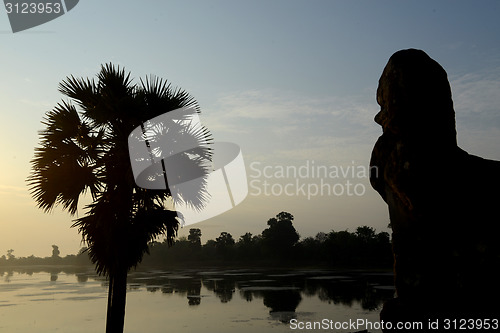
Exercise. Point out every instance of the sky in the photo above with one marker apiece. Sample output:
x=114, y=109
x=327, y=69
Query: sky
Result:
x=293, y=83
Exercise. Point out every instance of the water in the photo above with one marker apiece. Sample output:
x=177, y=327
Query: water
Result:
x=208, y=300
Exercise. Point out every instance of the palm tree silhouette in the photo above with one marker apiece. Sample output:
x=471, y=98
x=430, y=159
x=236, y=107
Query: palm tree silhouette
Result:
x=86, y=151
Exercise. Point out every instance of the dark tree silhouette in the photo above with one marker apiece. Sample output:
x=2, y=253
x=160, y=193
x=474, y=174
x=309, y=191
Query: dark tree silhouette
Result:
x=194, y=238
x=245, y=239
x=281, y=236
x=248, y=247
x=55, y=251
x=365, y=233
x=10, y=255
x=224, y=244
x=86, y=151
x=224, y=240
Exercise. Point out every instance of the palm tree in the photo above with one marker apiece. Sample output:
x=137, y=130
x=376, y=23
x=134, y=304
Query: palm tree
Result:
x=85, y=150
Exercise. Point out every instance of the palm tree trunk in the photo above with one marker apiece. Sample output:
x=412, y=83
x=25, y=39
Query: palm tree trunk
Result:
x=116, y=301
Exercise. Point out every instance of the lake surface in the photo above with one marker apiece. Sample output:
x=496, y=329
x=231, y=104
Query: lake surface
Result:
x=204, y=300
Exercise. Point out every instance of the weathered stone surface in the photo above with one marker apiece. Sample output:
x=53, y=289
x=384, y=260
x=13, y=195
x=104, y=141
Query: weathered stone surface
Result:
x=443, y=203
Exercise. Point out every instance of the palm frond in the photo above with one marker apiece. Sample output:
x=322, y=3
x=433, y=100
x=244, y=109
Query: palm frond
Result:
x=64, y=165
x=83, y=91
x=159, y=97
x=154, y=86
x=114, y=83
x=112, y=243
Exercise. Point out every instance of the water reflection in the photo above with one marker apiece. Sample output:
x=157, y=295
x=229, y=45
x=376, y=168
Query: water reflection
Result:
x=82, y=277
x=194, y=293
x=223, y=288
x=247, y=300
x=281, y=292
x=7, y=276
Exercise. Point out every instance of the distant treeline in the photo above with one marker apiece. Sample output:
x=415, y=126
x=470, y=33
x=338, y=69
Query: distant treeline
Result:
x=279, y=244
x=80, y=259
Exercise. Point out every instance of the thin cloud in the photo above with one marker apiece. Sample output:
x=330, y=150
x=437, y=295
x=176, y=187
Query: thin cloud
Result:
x=268, y=105
x=12, y=188
x=293, y=109
x=293, y=127
x=477, y=97
x=14, y=191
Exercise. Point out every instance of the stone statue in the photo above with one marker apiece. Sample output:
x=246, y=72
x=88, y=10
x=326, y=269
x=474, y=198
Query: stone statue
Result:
x=443, y=203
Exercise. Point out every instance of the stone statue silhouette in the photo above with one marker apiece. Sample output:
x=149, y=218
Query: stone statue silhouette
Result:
x=442, y=201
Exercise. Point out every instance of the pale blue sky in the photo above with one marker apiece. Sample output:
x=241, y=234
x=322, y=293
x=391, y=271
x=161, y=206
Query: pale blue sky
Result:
x=289, y=81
